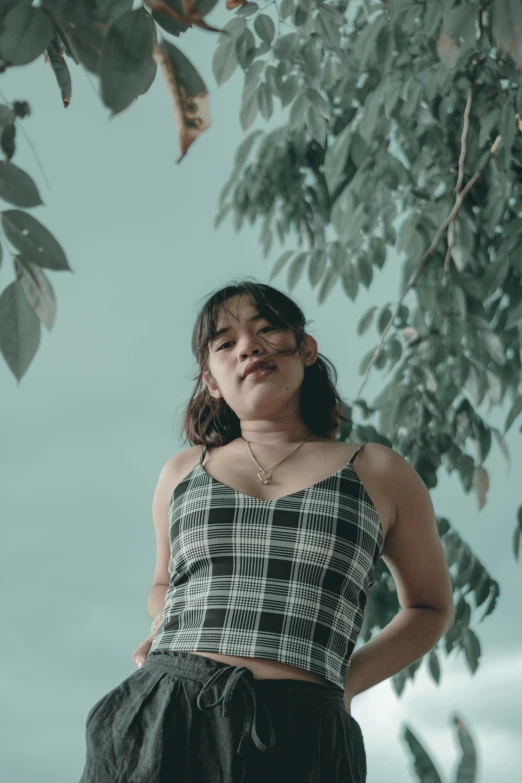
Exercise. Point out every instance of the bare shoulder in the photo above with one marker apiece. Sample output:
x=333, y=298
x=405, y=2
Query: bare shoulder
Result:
x=384, y=461
x=388, y=468
x=176, y=467
x=397, y=473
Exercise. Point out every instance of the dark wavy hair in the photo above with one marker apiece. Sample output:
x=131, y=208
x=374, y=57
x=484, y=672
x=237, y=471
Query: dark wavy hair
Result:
x=210, y=421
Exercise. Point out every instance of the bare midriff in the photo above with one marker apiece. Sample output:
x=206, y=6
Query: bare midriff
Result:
x=266, y=669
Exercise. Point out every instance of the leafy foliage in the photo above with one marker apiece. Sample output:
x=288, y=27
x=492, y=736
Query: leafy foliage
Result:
x=403, y=132
x=119, y=44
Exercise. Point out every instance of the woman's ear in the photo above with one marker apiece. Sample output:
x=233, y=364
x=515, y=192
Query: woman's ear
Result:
x=309, y=349
x=212, y=386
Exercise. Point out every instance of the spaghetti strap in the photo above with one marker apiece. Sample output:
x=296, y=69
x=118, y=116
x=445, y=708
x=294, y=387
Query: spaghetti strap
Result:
x=202, y=457
x=356, y=452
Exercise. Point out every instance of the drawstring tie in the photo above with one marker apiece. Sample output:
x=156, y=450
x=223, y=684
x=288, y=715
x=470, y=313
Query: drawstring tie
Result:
x=243, y=675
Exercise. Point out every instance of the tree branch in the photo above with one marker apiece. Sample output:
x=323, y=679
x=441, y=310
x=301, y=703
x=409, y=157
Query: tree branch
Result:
x=451, y=232
x=429, y=251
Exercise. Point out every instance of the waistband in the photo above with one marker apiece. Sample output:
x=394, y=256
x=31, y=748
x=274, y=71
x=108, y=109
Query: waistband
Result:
x=227, y=678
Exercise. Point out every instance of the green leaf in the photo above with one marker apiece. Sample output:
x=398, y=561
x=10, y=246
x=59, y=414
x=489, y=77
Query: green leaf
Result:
x=432, y=19
x=371, y=112
x=315, y=124
x=358, y=149
x=365, y=270
x=301, y=17
x=150, y=76
x=26, y=33
x=289, y=90
x=221, y=215
x=265, y=102
x=506, y=27
x=265, y=28
x=125, y=58
x=33, y=240
x=20, y=332
x=487, y=123
x=448, y=51
x=392, y=91
x=317, y=264
x=295, y=270
x=327, y=30
x=472, y=649
x=364, y=48
x=338, y=254
x=168, y=23
x=517, y=534
x=297, y=111
x=279, y=264
x=331, y=73
x=349, y=280
x=231, y=30
x=434, y=665
x=248, y=9
x=336, y=158
x=244, y=148
x=311, y=58
x=85, y=40
x=318, y=101
x=494, y=347
x=38, y=290
x=407, y=232
x=377, y=251
x=286, y=8
x=17, y=187
x=224, y=61
x=327, y=284
x=329, y=13
x=514, y=411
x=514, y=316
x=108, y=10
x=365, y=321
x=245, y=46
x=285, y=45
x=248, y=108
x=461, y=23
x=508, y=130
x=60, y=69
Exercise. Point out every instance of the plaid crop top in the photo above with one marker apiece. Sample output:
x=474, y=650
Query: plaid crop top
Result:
x=283, y=579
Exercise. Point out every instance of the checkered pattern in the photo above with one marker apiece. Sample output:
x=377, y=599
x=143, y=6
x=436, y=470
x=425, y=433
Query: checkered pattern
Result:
x=283, y=579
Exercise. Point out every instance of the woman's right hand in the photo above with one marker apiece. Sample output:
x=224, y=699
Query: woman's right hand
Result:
x=140, y=653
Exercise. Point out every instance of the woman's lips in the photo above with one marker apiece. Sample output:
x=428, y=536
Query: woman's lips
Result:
x=260, y=374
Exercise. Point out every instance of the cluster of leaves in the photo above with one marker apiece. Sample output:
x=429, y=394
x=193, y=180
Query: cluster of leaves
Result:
x=376, y=133
x=120, y=46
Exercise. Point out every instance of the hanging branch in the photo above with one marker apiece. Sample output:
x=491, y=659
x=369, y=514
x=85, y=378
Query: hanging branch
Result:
x=429, y=251
x=465, y=129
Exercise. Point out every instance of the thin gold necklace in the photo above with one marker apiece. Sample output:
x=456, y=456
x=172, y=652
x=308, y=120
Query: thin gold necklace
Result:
x=265, y=475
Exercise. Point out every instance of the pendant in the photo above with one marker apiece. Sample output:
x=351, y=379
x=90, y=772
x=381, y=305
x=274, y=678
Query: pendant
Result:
x=265, y=477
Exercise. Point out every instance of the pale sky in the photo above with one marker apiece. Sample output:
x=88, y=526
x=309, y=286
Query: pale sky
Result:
x=86, y=432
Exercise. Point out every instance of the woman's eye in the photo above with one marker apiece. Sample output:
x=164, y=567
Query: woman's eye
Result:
x=261, y=330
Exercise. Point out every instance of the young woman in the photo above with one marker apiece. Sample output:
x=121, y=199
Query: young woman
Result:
x=267, y=544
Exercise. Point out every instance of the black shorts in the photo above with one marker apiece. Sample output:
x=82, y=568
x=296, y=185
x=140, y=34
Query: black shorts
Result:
x=184, y=718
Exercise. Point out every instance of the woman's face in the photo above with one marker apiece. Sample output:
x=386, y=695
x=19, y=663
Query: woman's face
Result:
x=247, y=341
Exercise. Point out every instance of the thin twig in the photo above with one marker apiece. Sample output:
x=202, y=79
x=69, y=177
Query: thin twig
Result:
x=451, y=232
x=429, y=251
